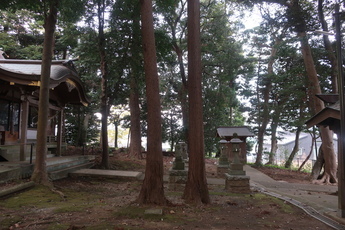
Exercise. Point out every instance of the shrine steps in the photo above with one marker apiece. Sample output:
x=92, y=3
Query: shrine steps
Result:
x=57, y=167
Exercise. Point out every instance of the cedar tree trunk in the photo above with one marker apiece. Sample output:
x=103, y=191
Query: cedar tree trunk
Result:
x=104, y=97
x=295, y=148
x=152, y=190
x=40, y=174
x=135, y=146
x=196, y=190
x=328, y=46
x=134, y=102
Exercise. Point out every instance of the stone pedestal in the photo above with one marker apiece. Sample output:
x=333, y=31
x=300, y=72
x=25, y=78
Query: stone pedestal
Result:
x=181, y=150
x=178, y=163
x=177, y=179
x=236, y=180
x=223, y=162
x=179, y=172
x=221, y=170
x=236, y=169
x=237, y=183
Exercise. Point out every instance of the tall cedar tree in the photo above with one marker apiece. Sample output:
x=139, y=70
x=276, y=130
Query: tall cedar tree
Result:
x=134, y=101
x=104, y=96
x=40, y=171
x=196, y=190
x=152, y=191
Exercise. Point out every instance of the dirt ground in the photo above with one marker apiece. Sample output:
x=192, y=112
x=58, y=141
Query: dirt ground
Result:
x=98, y=203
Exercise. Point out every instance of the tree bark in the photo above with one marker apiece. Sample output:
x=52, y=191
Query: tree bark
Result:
x=116, y=125
x=264, y=122
x=320, y=161
x=274, y=145
x=40, y=174
x=266, y=105
x=196, y=190
x=134, y=102
x=135, y=144
x=328, y=46
x=295, y=148
x=104, y=79
x=326, y=134
x=183, y=89
x=152, y=191
x=84, y=128
x=313, y=139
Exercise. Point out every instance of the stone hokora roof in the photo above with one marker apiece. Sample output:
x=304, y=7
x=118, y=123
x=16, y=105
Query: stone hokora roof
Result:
x=227, y=132
x=64, y=80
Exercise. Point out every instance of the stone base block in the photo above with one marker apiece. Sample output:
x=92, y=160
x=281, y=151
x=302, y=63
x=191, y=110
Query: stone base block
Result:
x=177, y=179
x=237, y=184
x=221, y=170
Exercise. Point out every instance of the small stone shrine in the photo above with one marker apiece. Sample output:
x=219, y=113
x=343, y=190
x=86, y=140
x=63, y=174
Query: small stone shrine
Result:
x=236, y=180
x=179, y=171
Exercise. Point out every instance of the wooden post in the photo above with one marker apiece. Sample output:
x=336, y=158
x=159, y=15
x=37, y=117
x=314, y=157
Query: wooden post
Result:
x=341, y=144
x=24, y=128
x=59, y=133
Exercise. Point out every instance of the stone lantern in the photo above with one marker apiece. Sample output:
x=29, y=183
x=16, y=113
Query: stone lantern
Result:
x=223, y=162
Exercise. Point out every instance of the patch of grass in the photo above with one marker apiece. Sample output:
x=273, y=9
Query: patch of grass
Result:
x=103, y=226
x=274, y=166
x=225, y=193
x=78, y=202
x=7, y=222
x=42, y=197
x=130, y=212
x=264, y=199
x=58, y=226
x=174, y=193
x=285, y=207
x=38, y=196
x=126, y=165
x=134, y=212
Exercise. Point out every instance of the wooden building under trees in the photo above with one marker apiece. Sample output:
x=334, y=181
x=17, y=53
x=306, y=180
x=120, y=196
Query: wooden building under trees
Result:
x=19, y=95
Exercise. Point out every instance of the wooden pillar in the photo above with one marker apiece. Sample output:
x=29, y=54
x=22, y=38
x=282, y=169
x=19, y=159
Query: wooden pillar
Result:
x=341, y=137
x=24, y=128
x=59, y=133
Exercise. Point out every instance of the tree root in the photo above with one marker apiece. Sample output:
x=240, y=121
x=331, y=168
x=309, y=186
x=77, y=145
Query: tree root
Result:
x=63, y=196
x=325, y=180
x=39, y=223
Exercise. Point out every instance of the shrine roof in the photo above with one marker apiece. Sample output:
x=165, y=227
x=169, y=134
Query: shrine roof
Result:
x=328, y=116
x=63, y=77
x=228, y=131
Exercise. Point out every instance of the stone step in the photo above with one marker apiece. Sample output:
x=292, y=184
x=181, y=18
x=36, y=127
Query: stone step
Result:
x=65, y=171
x=63, y=163
x=57, y=167
x=107, y=173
